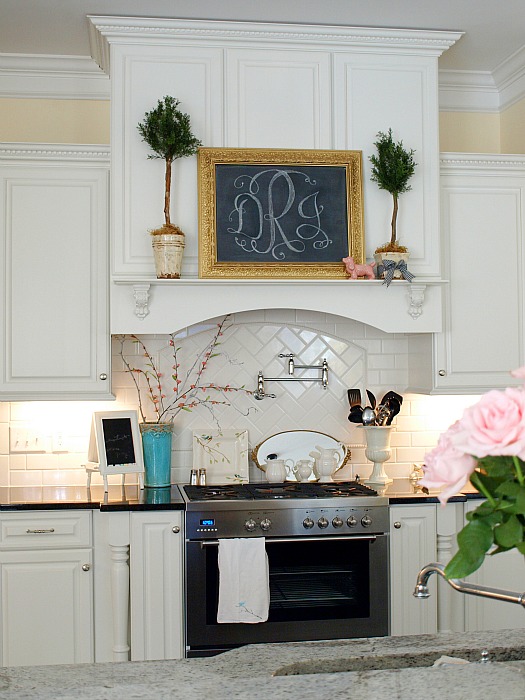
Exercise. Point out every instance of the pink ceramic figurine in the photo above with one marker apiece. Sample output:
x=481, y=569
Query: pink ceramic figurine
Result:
x=354, y=270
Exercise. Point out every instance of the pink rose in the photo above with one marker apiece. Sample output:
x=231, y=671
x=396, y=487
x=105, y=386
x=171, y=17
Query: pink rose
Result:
x=494, y=426
x=519, y=373
x=447, y=466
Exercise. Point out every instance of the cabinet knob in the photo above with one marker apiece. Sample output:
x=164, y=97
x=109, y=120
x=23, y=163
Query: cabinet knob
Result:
x=175, y=529
x=442, y=373
x=86, y=567
x=103, y=376
x=397, y=524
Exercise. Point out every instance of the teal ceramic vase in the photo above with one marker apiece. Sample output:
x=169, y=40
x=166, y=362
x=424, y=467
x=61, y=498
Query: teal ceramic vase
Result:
x=156, y=447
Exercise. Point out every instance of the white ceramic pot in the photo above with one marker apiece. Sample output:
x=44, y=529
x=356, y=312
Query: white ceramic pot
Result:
x=378, y=452
x=167, y=251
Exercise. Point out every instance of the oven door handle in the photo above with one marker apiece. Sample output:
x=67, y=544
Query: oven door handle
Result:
x=278, y=540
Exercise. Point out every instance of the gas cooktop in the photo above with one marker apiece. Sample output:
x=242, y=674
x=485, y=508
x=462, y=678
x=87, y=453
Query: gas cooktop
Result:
x=284, y=510
x=277, y=492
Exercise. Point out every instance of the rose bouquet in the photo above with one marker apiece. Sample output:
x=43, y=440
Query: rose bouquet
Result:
x=487, y=447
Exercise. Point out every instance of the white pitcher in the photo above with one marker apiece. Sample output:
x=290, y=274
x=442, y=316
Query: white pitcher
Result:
x=329, y=459
x=303, y=469
x=277, y=469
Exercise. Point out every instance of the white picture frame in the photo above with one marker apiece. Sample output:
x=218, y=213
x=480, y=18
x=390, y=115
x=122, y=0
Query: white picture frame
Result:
x=115, y=446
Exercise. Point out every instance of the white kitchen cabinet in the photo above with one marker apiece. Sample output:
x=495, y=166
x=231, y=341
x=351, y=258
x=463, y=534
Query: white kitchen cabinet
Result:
x=156, y=571
x=483, y=234
x=412, y=546
x=46, y=588
x=54, y=331
x=504, y=571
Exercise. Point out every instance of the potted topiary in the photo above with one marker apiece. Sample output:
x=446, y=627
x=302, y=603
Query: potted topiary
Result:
x=392, y=168
x=168, y=133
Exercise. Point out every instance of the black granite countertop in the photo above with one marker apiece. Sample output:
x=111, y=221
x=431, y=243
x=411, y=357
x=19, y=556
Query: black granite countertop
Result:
x=131, y=498
x=405, y=491
x=68, y=497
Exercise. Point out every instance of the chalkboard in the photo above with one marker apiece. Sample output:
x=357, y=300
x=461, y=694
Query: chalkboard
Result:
x=118, y=441
x=277, y=213
x=115, y=442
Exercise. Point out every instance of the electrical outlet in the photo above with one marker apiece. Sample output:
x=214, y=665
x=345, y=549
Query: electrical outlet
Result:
x=59, y=443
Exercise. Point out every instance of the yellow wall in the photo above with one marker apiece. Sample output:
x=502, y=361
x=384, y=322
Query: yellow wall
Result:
x=54, y=121
x=469, y=132
x=87, y=121
x=513, y=129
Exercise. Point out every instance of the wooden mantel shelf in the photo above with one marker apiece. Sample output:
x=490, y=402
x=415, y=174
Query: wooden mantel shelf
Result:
x=161, y=306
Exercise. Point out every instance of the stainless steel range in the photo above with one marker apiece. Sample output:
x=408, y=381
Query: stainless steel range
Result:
x=327, y=547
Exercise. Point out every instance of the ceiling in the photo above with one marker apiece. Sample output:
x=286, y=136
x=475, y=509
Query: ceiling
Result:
x=494, y=31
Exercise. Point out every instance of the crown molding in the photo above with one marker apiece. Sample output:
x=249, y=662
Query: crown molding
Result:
x=472, y=91
x=105, y=31
x=509, y=77
x=481, y=161
x=468, y=91
x=52, y=77
x=98, y=154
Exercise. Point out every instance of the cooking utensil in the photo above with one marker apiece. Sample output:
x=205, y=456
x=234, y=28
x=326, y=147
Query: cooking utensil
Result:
x=356, y=414
x=371, y=398
x=354, y=397
x=382, y=414
x=369, y=416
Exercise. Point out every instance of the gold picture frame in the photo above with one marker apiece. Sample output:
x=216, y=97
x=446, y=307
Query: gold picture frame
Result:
x=251, y=198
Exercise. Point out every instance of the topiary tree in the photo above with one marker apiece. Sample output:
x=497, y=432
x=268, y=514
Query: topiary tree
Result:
x=393, y=166
x=167, y=132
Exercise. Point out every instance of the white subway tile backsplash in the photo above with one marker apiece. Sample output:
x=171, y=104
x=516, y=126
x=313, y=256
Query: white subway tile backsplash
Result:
x=4, y=470
x=25, y=478
x=359, y=356
x=4, y=412
x=4, y=438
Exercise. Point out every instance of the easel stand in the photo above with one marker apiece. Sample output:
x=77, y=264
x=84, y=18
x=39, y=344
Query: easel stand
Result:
x=94, y=467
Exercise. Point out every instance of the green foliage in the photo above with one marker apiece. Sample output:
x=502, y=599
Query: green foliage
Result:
x=499, y=521
x=393, y=166
x=167, y=131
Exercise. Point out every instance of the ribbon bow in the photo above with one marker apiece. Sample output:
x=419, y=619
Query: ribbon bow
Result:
x=390, y=266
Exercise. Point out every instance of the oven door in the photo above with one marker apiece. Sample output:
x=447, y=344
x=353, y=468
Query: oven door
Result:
x=320, y=588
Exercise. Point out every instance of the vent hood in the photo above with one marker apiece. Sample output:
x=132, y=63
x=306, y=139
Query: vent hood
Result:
x=274, y=86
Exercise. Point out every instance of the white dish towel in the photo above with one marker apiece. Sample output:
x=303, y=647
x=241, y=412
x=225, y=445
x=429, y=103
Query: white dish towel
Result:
x=244, y=587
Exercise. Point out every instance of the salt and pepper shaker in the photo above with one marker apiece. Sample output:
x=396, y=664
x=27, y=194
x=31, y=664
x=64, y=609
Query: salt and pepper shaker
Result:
x=194, y=477
x=202, y=477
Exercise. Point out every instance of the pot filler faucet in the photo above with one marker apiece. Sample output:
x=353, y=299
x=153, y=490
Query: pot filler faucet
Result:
x=421, y=589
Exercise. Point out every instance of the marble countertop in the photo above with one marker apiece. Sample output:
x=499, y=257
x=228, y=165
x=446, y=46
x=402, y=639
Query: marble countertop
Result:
x=307, y=670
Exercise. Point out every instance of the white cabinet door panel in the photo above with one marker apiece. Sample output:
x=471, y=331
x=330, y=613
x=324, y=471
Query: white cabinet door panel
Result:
x=54, y=339
x=46, y=607
x=412, y=546
x=156, y=561
x=278, y=99
x=483, y=229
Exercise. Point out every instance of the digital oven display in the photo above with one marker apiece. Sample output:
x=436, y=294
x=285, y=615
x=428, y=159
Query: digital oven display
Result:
x=207, y=522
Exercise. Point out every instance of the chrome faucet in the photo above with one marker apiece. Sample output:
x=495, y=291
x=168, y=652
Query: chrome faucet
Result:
x=421, y=589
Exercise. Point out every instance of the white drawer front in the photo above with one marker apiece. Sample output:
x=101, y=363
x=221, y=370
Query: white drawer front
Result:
x=45, y=529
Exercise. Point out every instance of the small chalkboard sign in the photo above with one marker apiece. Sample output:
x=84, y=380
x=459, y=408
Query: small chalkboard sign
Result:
x=115, y=446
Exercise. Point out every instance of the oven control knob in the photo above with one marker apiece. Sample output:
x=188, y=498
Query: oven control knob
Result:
x=366, y=521
x=351, y=521
x=266, y=524
x=337, y=522
x=250, y=525
x=308, y=523
x=322, y=522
